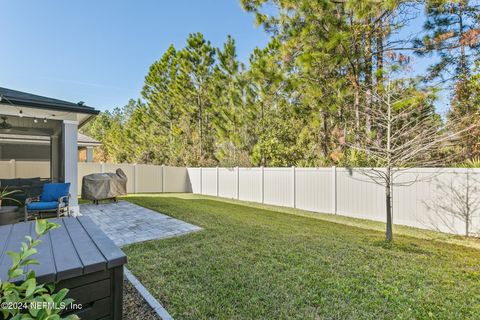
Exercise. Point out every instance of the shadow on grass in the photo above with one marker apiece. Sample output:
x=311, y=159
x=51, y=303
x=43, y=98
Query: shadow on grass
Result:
x=173, y=204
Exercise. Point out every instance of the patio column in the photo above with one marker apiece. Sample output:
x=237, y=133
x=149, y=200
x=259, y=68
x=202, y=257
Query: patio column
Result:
x=70, y=160
x=89, y=154
x=55, y=159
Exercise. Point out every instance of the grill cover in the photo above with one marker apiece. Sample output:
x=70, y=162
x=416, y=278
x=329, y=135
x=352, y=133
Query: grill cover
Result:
x=99, y=186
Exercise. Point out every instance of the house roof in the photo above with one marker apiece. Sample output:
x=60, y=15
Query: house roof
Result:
x=83, y=140
x=32, y=100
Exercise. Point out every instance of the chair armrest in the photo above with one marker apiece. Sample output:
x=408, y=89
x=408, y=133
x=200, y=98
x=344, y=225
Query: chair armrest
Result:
x=33, y=199
x=65, y=199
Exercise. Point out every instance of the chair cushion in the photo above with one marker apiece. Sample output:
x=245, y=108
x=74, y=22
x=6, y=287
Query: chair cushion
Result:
x=43, y=205
x=53, y=191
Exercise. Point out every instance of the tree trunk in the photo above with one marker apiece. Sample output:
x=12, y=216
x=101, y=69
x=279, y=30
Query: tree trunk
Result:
x=200, y=124
x=467, y=209
x=389, y=180
x=388, y=198
x=463, y=58
x=356, y=108
x=325, y=134
x=379, y=72
x=368, y=84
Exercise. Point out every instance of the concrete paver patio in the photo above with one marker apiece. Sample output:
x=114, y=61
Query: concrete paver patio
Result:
x=127, y=223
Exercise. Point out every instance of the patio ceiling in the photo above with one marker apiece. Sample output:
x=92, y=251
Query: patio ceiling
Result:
x=22, y=108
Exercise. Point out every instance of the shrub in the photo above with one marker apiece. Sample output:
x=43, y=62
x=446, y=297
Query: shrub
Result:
x=28, y=299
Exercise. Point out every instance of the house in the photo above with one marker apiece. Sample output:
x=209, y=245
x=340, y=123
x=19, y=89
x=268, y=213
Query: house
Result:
x=57, y=121
x=37, y=148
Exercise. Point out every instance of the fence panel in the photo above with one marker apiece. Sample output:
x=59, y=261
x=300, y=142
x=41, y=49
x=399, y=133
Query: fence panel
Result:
x=278, y=186
x=358, y=196
x=175, y=179
x=29, y=169
x=435, y=198
x=194, y=180
x=7, y=169
x=209, y=181
x=250, y=184
x=315, y=189
x=148, y=178
x=227, y=183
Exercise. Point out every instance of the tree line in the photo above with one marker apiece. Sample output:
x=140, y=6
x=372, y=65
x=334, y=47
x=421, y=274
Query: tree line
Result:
x=315, y=95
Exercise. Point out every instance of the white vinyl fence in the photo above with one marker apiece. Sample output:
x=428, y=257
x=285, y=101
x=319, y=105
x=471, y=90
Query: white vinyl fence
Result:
x=142, y=178
x=430, y=198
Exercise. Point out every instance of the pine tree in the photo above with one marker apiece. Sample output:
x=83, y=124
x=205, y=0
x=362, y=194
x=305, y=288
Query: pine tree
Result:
x=228, y=101
x=193, y=92
x=453, y=33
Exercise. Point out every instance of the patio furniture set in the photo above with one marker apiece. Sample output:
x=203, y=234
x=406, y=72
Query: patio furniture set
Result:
x=37, y=197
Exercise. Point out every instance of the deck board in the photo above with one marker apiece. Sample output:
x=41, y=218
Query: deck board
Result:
x=110, y=251
x=91, y=257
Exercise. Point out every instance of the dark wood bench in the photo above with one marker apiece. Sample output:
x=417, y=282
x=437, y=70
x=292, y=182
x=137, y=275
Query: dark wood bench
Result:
x=77, y=256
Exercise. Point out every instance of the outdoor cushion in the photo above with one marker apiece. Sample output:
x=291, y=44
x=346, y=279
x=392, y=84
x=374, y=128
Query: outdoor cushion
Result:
x=53, y=191
x=49, y=205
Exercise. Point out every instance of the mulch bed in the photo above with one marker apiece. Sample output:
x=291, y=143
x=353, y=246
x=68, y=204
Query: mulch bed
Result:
x=134, y=306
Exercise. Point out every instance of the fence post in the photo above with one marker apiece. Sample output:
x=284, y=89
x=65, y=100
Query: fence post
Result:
x=102, y=167
x=135, y=178
x=13, y=169
x=164, y=172
x=218, y=191
x=262, y=173
x=238, y=182
x=294, y=187
x=201, y=178
x=334, y=173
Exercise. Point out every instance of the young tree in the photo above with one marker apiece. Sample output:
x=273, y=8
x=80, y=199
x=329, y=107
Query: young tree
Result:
x=413, y=136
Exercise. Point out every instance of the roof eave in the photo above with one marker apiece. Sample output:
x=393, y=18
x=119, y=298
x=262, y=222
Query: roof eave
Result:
x=42, y=105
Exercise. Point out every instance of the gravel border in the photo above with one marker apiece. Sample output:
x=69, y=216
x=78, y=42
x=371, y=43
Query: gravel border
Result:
x=152, y=302
x=134, y=306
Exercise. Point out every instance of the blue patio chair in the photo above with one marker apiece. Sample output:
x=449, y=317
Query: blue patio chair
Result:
x=55, y=198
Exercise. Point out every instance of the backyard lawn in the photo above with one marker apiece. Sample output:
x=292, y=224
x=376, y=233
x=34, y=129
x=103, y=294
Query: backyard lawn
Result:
x=252, y=262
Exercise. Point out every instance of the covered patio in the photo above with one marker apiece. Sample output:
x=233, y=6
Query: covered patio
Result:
x=33, y=115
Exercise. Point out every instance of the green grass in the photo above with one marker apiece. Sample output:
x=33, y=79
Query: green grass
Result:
x=254, y=262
